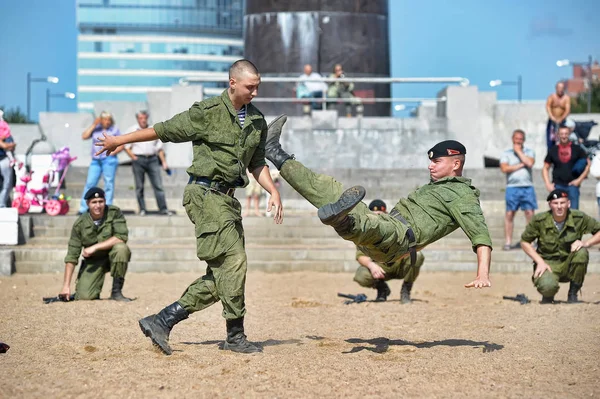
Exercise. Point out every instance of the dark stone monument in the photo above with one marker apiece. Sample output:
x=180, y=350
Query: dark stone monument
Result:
x=281, y=36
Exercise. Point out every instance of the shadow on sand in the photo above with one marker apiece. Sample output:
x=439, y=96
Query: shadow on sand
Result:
x=269, y=342
x=381, y=344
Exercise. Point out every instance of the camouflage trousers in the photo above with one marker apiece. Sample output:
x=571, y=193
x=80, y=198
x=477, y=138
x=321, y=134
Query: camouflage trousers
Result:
x=220, y=242
x=400, y=270
x=381, y=237
x=92, y=271
x=573, y=269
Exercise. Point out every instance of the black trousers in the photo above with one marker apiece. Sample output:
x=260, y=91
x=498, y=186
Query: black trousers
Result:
x=151, y=166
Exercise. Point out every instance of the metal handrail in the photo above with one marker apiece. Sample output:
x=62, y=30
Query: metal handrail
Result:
x=272, y=79
x=336, y=99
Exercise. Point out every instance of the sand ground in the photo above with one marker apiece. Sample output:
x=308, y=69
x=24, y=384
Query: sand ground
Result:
x=451, y=342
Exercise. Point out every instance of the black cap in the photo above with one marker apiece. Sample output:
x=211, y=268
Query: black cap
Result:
x=556, y=194
x=446, y=148
x=377, y=205
x=94, y=192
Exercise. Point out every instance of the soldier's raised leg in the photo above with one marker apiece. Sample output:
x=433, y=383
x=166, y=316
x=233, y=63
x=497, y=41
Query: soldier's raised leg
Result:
x=381, y=237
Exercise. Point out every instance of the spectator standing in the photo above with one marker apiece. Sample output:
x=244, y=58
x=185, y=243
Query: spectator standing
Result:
x=566, y=158
x=517, y=163
x=595, y=172
x=558, y=107
x=147, y=157
x=102, y=164
x=7, y=146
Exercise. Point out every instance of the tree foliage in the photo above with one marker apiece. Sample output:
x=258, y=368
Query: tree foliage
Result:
x=579, y=103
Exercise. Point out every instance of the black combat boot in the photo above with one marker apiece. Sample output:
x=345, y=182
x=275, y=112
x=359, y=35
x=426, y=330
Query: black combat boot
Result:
x=273, y=150
x=547, y=300
x=336, y=214
x=236, y=339
x=158, y=326
x=116, y=293
x=383, y=291
x=574, y=288
x=405, y=292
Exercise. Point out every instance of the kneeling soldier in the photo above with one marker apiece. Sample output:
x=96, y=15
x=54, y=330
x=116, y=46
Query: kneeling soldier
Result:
x=101, y=233
x=374, y=275
x=561, y=254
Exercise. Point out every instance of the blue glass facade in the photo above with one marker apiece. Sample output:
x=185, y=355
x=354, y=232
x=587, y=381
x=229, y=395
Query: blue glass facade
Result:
x=126, y=47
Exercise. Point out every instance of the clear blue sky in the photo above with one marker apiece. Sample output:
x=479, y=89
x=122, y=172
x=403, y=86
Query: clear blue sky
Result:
x=477, y=39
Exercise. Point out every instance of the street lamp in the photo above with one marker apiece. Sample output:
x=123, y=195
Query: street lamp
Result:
x=48, y=79
x=565, y=62
x=518, y=83
x=66, y=94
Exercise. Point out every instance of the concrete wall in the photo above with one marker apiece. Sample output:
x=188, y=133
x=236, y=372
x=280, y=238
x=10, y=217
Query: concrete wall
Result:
x=483, y=124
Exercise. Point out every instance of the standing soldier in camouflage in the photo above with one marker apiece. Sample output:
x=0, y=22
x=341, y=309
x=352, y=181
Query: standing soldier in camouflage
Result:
x=228, y=134
x=371, y=274
x=429, y=213
x=102, y=235
x=561, y=255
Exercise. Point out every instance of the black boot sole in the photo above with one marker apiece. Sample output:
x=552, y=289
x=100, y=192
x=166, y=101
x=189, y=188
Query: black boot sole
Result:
x=348, y=200
x=146, y=327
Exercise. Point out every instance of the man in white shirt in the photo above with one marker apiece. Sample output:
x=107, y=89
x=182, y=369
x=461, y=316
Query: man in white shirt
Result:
x=516, y=163
x=310, y=88
x=147, y=157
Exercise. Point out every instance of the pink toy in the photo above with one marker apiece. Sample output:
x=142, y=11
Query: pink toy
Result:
x=58, y=204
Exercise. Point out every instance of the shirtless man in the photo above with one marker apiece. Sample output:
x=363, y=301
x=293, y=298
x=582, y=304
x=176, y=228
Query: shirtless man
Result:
x=558, y=107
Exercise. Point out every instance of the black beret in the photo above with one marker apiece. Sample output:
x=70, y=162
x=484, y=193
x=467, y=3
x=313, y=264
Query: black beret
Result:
x=94, y=192
x=446, y=148
x=377, y=205
x=556, y=194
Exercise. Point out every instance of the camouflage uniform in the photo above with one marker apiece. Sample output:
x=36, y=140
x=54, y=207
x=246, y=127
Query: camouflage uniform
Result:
x=400, y=270
x=433, y=211
x=555, y=248
x=223, y=150
x=84, y=234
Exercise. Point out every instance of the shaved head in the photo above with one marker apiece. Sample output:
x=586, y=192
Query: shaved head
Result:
x=240, y=67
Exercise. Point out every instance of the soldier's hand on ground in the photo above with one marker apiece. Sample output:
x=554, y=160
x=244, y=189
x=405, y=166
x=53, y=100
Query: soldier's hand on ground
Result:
x=89, y=251
x=479, y=282
x=108, y=144
x=65, y=293
x=540, y=269
x=577, y=245
x=376, y=271
x=275, y=201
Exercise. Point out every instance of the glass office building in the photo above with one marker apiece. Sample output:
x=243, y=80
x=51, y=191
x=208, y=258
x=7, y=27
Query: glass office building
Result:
x=129, y=47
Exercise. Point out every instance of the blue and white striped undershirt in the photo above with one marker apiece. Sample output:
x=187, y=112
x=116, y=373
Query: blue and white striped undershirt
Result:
x=242, y=115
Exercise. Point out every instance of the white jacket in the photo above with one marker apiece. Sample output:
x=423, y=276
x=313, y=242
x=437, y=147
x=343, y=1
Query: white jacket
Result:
x=595, y=172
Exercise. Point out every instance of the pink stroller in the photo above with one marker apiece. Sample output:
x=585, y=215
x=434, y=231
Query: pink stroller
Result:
x=58, y=204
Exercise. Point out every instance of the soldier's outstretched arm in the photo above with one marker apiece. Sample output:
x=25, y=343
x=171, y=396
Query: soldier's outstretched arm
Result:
x=484, y=258
x=109, y=144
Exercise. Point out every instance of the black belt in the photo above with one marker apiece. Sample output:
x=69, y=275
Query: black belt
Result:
x=412, y=241
x=212, y=185
x=145, y=156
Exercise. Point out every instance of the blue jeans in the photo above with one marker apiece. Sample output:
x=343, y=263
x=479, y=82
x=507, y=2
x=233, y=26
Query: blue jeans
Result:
x=106, y=167
x=7, y=171
x=573, y=192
